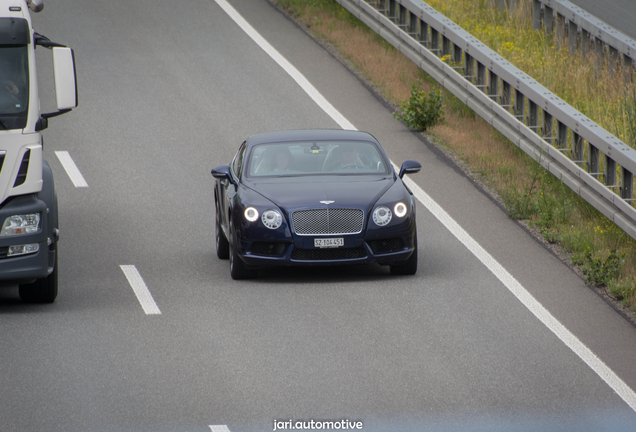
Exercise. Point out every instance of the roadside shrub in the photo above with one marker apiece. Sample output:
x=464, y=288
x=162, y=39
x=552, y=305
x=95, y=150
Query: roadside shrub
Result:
x=599, y=271
x=421, y=112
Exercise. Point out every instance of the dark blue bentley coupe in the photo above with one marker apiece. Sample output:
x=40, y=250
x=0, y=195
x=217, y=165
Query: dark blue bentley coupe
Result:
x=314, y=197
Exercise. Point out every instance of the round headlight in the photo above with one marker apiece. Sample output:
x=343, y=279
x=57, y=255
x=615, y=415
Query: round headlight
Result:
x=272, y=219
x=381, y=216
x=400, y=209
x=251, y=214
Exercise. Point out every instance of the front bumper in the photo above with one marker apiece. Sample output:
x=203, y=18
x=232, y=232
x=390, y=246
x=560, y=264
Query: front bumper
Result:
x=25, y=268
x=301, y=252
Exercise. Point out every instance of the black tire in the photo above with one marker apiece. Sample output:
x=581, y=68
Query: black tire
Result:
x=42, y=290
x=238, y=269
x=222, y=245
x=408, y=267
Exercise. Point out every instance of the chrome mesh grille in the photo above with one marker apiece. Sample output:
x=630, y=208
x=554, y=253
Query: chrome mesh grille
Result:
x=328, y=221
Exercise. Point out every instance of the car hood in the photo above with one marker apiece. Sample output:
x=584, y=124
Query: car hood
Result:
x=347, y=191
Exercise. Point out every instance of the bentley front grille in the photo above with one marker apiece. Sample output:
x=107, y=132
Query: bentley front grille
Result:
x=328, y=221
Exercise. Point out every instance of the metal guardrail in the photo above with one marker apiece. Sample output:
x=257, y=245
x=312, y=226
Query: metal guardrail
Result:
x=529, y=115
x=584, y=30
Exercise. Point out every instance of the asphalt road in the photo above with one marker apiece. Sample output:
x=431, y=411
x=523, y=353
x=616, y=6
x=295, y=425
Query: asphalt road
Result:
x=167, y=91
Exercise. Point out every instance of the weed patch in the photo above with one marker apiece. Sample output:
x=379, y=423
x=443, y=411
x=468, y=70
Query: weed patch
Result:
x=422, y=112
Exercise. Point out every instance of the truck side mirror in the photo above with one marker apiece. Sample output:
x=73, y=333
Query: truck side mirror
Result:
x=65, y=81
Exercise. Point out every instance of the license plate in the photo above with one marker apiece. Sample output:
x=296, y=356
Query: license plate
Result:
x=328, y=242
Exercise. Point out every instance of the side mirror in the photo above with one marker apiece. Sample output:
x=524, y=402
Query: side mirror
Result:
x=222, y=173
x=65, y=82
x=410, y=167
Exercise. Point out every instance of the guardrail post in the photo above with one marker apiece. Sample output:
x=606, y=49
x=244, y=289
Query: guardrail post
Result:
x=533, y=117
x=585, y=43
x=379, y=5
x=423, y=34
x=512, y=5
x=401, y=16
x=562, y=136
x=506, y=96
x=493, y=87
x=391, y=10
x=435, y=42
x=560, y=31
x=469, y=67
x=548, y=19
x=548, y=132
x=446, y=46
x=609, y=177
x=628, y=67
x=536, y=14
x=573, y=31
x=577, y=149
x=613, y=60
x=627, y=183
x=412, y=29
x=520, y=106
x=457, y=55
x=481, y=77
x=501, y=4
x=592, y=161
x=598, y=54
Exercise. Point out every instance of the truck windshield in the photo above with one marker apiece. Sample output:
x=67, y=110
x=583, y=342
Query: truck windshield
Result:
x=14, y=86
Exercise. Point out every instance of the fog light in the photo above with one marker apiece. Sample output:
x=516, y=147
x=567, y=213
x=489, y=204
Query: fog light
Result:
x=23, y=249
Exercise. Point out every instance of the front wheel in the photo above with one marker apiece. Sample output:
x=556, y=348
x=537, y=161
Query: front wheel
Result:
x=408, y=267
x=42, y=290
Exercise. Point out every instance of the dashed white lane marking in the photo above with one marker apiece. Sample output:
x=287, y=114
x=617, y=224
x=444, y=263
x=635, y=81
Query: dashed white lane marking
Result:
x=542, y=314
x=71, y=169
x=219, y=428
x=141, y=290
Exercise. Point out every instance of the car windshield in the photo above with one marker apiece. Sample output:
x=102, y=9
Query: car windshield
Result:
x=14, y=88
x=316, y=158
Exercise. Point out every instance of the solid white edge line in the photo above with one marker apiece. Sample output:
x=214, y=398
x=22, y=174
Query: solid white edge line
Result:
x=71, y=169
x=219, y=428
x=537, y=309
x=287, y=66
x=542, y=314
x=140, y=289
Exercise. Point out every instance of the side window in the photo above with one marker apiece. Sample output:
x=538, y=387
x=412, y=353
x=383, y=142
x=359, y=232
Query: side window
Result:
x=237, y=164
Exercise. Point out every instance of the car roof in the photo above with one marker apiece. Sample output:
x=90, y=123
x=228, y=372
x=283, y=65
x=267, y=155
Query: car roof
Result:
x=310, y=135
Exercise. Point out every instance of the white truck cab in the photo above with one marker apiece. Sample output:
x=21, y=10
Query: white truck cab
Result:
x=28, y=202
